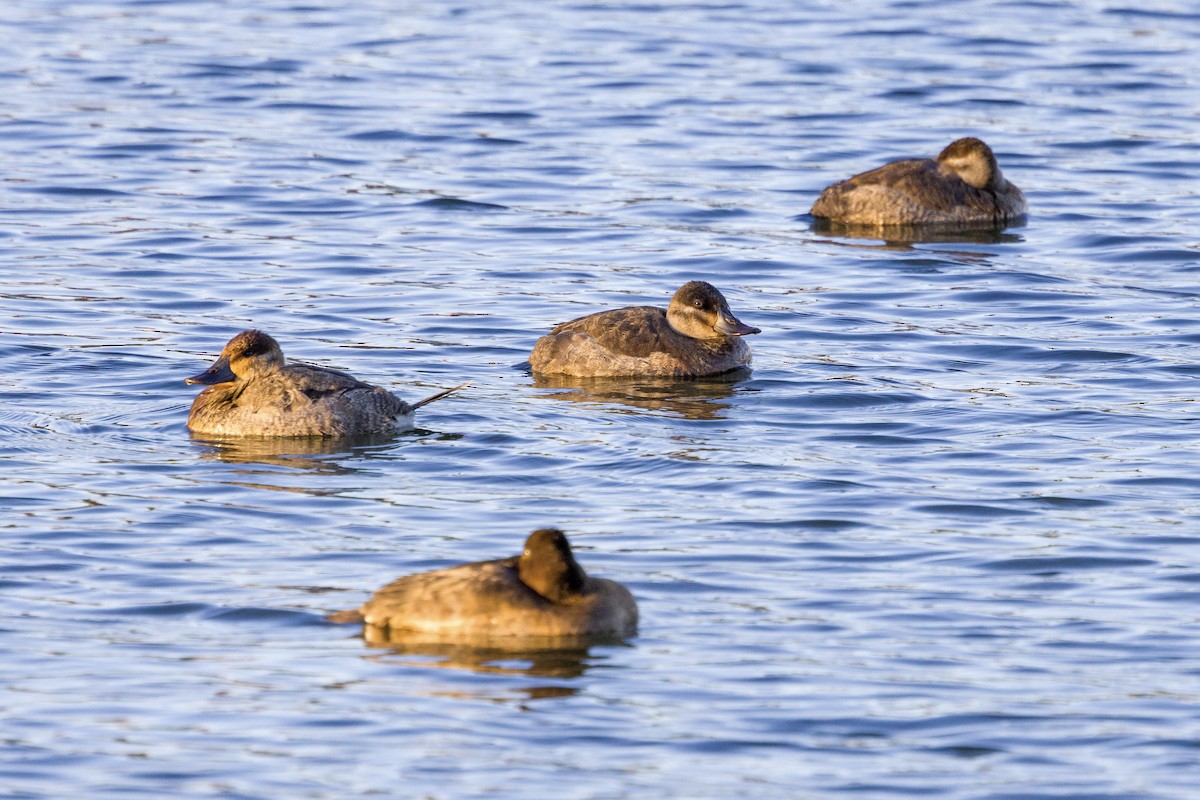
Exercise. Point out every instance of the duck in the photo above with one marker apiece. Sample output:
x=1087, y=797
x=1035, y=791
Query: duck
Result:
x=251, y=390
x=697, y=335
x=541, y=594
x=962, y=187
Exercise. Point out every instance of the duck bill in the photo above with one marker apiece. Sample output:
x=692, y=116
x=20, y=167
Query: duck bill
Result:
x=730, y=325
x=219, y=372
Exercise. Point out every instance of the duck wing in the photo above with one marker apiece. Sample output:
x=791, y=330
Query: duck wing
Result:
x=458, y=597
x=911, y=178
x=936, y=189
x=894, y=173
x=316, y=400
x=316, y=383
x=636, y=331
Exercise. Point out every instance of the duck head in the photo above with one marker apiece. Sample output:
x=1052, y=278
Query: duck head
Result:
x=248, y=354
x=548, y=566
x=974, y=162
x=698, y=310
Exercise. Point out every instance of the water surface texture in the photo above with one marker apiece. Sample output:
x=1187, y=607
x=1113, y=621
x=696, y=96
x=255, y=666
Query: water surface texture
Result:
x=942, y=542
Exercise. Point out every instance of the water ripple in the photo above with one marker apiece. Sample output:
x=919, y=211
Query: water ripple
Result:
x=937, y=544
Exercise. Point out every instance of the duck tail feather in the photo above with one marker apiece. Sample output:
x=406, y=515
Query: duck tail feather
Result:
x=438, y=396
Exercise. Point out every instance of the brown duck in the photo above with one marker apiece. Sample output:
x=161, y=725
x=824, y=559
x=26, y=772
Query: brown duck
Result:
x=253, y=391
x=962, y=187
x=542, y=593
x=696, y=335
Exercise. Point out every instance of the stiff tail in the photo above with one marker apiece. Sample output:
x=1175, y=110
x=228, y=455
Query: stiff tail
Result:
x=414, y=406
x=343, y=617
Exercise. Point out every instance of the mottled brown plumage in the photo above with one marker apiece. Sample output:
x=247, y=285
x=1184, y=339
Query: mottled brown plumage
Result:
x=252, y=391
x=542, y=593
x=962, y=187
x=697, y=335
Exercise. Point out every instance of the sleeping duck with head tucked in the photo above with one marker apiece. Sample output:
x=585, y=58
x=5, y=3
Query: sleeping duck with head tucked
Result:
x=252, y=391
x=963, y=187
x=697, y=335
x=542, y=593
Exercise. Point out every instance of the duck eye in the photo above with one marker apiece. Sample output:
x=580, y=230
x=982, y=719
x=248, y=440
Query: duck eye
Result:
x=698, y=303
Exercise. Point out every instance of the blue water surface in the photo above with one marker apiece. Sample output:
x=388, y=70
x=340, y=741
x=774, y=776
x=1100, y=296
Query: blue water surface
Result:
x=942, y=542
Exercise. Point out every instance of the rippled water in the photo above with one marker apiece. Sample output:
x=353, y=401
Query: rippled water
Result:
x=941, y=542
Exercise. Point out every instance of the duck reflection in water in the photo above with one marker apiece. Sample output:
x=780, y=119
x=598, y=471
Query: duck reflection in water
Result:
x=560, y=658
x=697, y=399
x=903, y=237
x=920, y=199
x=325, y=455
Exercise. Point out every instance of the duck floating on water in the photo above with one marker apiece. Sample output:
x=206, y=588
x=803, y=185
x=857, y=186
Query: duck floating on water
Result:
x=252, y=391
x=962, y=187
x=697, y=335
x=542, y=593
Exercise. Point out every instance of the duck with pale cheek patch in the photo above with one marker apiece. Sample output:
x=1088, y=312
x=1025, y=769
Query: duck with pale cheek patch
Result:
x=696, y=335
x=252, y=391
x=962, y=187
x=541, y=594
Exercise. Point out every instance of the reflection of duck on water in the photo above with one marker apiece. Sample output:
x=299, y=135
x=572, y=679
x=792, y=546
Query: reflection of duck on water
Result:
x=542, y=594
x=903, y=237
x=695, y=399
x=556, y=658
x=252, y=391
x=300, y=452
x=963, y=187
